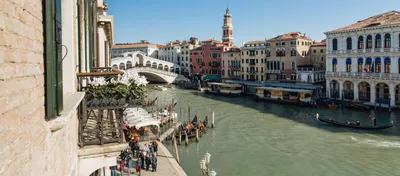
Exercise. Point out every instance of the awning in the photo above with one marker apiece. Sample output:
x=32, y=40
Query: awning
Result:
x=387, y=60
x=145, y=124
x=360, y=60
x=212, y=77
x=378, y=60
x=348, y=61
x=368, y=61
x=334, y=61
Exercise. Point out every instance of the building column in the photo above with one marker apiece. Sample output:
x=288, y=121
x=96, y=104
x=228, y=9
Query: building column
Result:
x=340, y=89
x=373, y=91
x=328, y=88
x=355, y=91
x=392, y=93
x=394, y=65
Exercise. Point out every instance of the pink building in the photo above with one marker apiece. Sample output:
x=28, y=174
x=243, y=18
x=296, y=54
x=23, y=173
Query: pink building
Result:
x=207, y=58
x=231, y=64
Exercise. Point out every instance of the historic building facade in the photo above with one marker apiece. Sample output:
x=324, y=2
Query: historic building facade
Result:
x=363, y=60
x=207, y=58
x=144, y=46
x=231, y=64
x=284, y=53
x=253, y=61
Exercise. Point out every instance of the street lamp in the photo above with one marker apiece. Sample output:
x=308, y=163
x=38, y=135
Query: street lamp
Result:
x=204, y=166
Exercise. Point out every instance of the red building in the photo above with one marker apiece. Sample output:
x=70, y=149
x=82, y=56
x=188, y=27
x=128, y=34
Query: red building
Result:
x=207, y=58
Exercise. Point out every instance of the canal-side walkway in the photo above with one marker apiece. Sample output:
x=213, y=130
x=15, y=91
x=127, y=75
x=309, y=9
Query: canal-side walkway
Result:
x=166, y=163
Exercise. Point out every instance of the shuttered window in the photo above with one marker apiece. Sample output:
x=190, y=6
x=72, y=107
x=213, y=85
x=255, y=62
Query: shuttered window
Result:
x=53, y=59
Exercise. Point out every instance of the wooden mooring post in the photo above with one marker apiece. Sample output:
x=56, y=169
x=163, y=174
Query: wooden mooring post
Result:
x=186, y=139
x=176, y=148
x=212, y=119
x=197, y=135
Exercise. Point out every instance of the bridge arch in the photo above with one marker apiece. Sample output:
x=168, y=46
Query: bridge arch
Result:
x=128, y=65
x=160, y=66
x=148, y=64
x=141, y=59
x=154, y=65
x=122, y=66
x=166, y=68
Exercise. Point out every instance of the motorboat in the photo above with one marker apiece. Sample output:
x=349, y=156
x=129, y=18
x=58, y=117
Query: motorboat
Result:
x=160, y=88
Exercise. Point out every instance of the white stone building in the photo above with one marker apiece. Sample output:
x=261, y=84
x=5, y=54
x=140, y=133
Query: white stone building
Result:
x=179, y=53
x=143, y=46
x=105, y=30
x=363, y=60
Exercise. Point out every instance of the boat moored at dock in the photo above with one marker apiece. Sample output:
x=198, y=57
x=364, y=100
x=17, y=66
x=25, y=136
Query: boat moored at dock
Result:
x=286, y=95
x=223, y=88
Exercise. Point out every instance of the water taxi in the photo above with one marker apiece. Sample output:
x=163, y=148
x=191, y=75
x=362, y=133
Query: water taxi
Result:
x=300, y=96
x=222, y=88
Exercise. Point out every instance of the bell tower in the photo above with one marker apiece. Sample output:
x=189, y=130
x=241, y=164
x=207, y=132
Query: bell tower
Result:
x=227, y=29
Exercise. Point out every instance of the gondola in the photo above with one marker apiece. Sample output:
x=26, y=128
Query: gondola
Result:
x=354, y=125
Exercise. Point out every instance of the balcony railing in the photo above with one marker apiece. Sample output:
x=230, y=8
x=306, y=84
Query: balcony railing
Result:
x=376, y=50
x=391, y=76
x=368, y=50
x=360, y=50
x=252, y=63
x=272, y=71
x=386, y=50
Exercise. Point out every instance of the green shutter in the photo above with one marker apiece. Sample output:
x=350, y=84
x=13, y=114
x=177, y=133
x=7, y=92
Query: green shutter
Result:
x=53, y=51
x=90, y=24
x=59, y=56
x=50, y=62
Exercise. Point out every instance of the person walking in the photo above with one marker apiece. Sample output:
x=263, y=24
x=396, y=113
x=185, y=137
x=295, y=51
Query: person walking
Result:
x=154, y=163
x=374, y=120
x=113, y=170
x=130, y=166
x=142, y=159
x=122, y=167
x=138, y=164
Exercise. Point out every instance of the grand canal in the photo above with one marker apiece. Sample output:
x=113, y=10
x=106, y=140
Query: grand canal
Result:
x=258, y=138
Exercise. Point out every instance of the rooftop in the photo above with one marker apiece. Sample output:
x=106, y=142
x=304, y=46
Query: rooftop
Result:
x=134, y=45
x=212, y=40
x=315, y=44
x=384, y=19
x=289, y=36
x=255, y=42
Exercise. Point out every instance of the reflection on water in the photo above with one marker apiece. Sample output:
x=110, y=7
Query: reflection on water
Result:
x=258, y=138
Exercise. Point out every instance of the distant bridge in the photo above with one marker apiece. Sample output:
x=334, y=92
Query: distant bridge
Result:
x=154, y=69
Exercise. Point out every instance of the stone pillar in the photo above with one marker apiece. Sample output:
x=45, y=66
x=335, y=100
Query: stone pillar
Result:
x=328, y=88
x=373, y=91
x=355, y=91
x=340, y=89
x=392, y=93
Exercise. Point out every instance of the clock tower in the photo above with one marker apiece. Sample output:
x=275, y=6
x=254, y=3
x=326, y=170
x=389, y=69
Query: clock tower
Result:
x=227, y=29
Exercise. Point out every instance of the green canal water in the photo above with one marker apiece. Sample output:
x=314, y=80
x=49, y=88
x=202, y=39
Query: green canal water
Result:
x=260, y=138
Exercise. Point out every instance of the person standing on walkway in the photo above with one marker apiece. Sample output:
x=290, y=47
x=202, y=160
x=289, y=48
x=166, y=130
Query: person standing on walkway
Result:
x=113, y=170
x=130, y=166
x=374, y=120
x=154, y=163
x=138, y=164
x=155, y=147
x=148, y=161
x=122, y=167
x=142, y=159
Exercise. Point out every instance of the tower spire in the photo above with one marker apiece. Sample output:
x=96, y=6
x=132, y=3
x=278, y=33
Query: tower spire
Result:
x=227, y=28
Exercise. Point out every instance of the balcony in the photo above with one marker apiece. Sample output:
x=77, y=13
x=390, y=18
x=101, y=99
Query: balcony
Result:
x=377, y=50
x=252, y=63
x=358, y=75
x=273, y=71
x=334, y=52
x=360, y=50
x=368, y=50
x=348, y=51
x=386, y=49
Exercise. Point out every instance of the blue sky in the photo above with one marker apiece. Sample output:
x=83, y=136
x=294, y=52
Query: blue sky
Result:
x=159, y=21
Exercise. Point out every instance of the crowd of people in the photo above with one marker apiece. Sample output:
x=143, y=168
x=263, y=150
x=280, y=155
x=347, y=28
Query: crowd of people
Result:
x=134, y=158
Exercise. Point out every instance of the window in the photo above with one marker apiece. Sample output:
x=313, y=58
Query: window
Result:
x=378, y=41
x=360, y=42
x=262, y=52
x=388, y=41
x=242, y=61
x=334, y=44
x=315, y=51
x=293, y=66
x=377, y=65
x=53, y=59
x=293, y=52
x=283, y=43
x=360, y=62
x=334, y=65
x=322, y=58
x=321, y=51
x=348, y=65
x=283, y=66
x=268, y=53
x=387, y=65
x=369, y=42
x=348, y=43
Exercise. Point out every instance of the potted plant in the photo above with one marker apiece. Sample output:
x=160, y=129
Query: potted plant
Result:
x=116, y=91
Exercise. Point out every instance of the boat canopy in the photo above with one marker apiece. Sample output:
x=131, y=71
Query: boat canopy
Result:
x=285, y=89
x=226, y=85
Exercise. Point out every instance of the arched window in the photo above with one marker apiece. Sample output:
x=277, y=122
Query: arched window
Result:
x=128, y=65
x=115, y=66
x=387, y=65
x=293, y=52
x=229, y=72
x=334, y=44
x=360, y=63
x=187, y=58
x=360, y=42
x=369, y=42
x=293, y=66
x=348, y=65
x=368, y=65
x=388, y=41
x=348, y=43
x=283, y=66
x=223, y=72
x=122, y=66
x=378, y=41
x=334, y=65
x=377, y=65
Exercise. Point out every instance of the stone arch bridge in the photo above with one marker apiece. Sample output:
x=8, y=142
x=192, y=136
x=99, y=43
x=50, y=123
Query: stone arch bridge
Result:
x=154, y=69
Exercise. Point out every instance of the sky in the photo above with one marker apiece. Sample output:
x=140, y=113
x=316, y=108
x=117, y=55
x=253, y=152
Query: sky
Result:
x=160, y=21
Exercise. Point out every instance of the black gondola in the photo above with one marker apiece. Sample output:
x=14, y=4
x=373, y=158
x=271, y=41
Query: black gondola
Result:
x=354, y=125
